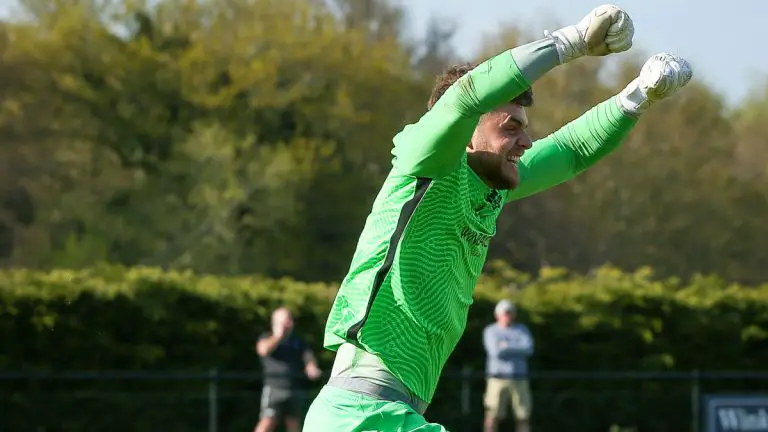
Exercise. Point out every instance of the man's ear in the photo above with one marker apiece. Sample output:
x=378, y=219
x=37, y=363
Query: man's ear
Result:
x=475, y=135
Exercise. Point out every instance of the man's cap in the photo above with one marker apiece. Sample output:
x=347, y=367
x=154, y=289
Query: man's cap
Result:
x=504, y=306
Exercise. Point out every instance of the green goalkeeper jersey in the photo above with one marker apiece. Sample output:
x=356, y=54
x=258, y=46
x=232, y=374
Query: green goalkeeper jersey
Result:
x=410, y=284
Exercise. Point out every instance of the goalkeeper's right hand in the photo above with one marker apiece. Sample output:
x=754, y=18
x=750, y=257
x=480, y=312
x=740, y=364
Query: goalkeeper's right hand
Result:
x=661, y=76
x=605, y=30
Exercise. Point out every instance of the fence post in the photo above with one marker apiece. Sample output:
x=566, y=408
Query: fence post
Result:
x=695, y=401
x=466, y=397
x=213, y=399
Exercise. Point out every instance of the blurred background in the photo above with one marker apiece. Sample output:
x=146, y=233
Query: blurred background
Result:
x=172, y=171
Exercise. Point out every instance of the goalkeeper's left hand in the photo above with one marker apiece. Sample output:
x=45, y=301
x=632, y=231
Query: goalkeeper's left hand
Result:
x=661, y=76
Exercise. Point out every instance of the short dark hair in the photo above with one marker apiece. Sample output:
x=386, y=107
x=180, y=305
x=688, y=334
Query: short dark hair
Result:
x=455, y=72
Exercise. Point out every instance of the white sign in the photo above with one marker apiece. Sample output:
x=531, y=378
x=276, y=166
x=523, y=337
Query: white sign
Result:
x=736, y=413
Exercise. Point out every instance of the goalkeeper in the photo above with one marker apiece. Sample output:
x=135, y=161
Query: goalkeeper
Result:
x=403, y=306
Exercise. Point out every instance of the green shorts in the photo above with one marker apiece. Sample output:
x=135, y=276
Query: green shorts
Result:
x=338, y=410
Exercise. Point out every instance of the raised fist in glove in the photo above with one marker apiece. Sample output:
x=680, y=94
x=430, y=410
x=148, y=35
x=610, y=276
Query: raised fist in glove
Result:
x=661, y=76
x=605, y=30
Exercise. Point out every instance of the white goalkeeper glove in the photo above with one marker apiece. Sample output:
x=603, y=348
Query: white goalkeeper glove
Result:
x=606, y=30
x=661, y=76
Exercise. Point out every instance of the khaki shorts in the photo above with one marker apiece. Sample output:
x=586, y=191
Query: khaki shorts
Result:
x=501, y=393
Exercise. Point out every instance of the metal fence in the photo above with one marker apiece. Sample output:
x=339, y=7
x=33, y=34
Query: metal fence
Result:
x=218, y=401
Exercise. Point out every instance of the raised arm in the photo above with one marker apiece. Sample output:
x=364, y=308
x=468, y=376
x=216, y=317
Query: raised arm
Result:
x=575, y=147
x=310, y=364
x=434, y=145
x=267, y=343
x=564, y=154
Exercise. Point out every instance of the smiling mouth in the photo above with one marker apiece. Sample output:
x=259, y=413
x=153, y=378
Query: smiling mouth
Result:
x=513, y=158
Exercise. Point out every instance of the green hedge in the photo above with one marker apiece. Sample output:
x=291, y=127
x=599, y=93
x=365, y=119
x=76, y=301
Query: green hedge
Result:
x=115, y=318
x=112, y=318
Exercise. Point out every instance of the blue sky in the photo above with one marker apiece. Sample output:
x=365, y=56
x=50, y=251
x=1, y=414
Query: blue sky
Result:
x=724, y=47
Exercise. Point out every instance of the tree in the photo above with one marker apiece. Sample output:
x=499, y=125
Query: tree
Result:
x=221, y=125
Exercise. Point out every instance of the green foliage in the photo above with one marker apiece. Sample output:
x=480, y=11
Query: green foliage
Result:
x=200, y=134
x=610, y=320
x=250, y=136
x=111, y=318
x=117, y=318
x=685, y=194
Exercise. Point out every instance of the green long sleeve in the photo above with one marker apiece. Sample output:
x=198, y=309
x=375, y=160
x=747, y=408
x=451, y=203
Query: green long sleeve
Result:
x=572, y=149
x=434, y=146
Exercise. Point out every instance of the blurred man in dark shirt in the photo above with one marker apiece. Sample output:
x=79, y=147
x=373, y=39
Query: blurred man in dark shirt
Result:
x=286, y=359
